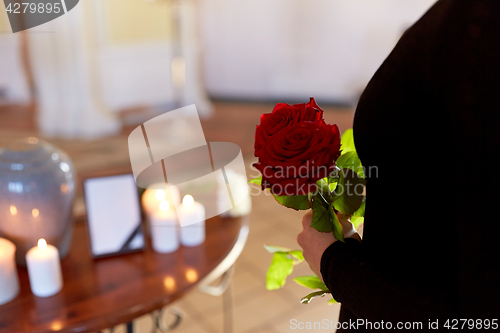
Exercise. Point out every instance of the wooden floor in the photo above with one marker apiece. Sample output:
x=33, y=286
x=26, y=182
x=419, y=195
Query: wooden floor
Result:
x=255, y=308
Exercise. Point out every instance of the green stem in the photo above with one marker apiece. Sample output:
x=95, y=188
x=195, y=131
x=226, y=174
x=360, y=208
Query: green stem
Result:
x=323, y=200
x=337, y=227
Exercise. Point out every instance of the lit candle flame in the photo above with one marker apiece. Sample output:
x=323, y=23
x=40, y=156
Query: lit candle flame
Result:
x=160, y=195
x=13, y=210
x=35, y=212
x=164, y=205
x=188, y=200
x=191, y=275
x=42, y=243
x=169, y=283
x=56, y=326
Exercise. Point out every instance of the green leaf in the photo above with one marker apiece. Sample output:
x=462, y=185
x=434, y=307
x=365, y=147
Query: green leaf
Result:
x=321, y=219
x=274, y=249
x=347, y=141
x=297, y=255
x=357, y=217
x=360, y=212
x=293, y=254
x=311, y=282
x=281, y=267
x=334, y=176
x=307, y=299
x=348, y=195
x=297, y=202
x=332, y=301
x=332, y=186
x=257, y=180
x=350, y=160
x=357, y=221
x=323, y=187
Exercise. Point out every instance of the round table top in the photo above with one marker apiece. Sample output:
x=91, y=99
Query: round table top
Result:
x=102, y=293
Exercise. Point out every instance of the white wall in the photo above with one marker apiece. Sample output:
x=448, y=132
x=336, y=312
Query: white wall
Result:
x=271, y=49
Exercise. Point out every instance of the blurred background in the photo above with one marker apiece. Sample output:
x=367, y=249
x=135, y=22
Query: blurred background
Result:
x=86, y=79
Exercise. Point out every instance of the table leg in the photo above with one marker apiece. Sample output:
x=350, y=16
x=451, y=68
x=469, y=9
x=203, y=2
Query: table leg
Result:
x=167, y=328
x=224, y=290
x=227, y=303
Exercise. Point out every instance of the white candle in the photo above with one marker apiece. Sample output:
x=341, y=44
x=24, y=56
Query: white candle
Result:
x=9, y=282
x=192, y=218
x=157, y=193
x=44, y=269
x=164, y=229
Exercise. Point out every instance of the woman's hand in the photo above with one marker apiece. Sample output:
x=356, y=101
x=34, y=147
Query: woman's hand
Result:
x=314, y=243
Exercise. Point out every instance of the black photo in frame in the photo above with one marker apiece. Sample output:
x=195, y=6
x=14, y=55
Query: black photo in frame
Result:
x=113, y=215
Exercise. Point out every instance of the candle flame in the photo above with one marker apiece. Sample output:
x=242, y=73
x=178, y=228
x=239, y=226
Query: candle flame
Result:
x=169, y=283
x=42, y=243
x=35, y=212
x=191, y=275
x=188, y=200
x=56, y=326
x=13, y=210
x=164, y=205
x=160, y=195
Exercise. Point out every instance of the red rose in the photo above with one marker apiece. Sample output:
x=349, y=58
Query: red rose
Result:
x=284, y=115
x=293, y=159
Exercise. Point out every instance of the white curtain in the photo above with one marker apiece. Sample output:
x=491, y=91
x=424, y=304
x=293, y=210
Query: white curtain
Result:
x=62, y=57
x=13, y=85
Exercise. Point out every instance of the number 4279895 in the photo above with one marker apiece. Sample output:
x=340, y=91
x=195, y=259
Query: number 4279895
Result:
x=32, y=7
x=472, y=324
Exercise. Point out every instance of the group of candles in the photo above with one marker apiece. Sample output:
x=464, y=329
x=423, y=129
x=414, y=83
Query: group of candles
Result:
x=43, y=262
x=166, y=233
x=44, y=270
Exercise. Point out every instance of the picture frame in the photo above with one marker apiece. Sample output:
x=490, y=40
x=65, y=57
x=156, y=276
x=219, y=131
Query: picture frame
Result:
x=113, y=216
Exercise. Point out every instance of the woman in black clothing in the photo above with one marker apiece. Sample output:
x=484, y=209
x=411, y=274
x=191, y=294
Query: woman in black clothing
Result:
x=429, y=123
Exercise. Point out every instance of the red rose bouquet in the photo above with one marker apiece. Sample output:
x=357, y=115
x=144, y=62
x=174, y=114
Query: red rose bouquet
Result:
x=306, y=164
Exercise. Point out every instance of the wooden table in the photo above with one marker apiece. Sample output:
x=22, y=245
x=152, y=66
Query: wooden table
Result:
x=102, y=293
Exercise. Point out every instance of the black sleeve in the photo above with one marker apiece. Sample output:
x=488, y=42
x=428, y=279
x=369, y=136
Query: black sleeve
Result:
x=373, y=296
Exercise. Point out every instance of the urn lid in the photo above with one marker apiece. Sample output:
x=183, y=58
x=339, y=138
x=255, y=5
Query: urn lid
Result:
x=27, y=152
